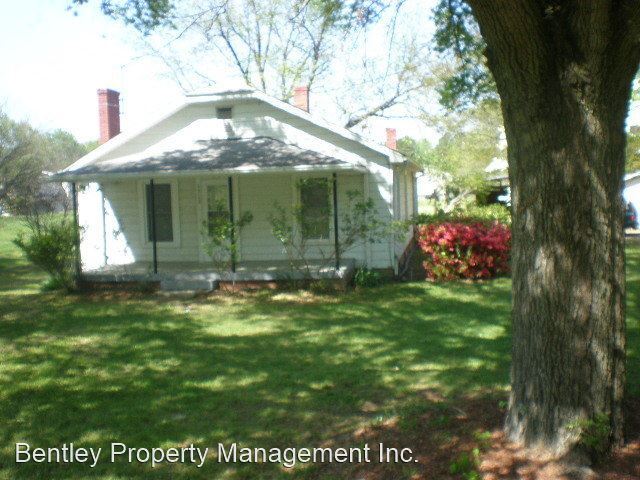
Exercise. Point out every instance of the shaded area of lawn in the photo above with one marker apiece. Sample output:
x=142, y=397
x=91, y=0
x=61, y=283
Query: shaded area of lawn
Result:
x=263, y=369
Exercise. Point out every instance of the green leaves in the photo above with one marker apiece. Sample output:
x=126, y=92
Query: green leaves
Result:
x=457, y=35
x=20, y=164
x=594, y=433
x=470, y=141
x=143, y=15
x=50, y=244
x=359, y=224
x=633, y=150
x=218, y=233
x=24, y=154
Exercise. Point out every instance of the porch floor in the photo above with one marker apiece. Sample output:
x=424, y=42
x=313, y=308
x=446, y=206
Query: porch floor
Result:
x=251, y=271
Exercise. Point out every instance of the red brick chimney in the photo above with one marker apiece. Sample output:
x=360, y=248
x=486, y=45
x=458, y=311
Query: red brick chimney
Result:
x=301, y=98
x=108, y=113
x=392, y=141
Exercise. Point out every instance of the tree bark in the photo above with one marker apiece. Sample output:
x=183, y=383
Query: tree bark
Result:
x=564, y=72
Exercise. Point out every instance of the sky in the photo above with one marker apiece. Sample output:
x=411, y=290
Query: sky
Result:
x=54, y=61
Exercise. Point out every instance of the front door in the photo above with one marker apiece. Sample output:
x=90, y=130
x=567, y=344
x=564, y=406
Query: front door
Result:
x=215, y=214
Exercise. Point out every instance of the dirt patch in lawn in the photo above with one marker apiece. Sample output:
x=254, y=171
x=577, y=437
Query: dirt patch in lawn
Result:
x=462, y=439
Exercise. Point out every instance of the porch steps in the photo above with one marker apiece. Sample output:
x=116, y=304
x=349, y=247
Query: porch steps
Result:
x=188, y=285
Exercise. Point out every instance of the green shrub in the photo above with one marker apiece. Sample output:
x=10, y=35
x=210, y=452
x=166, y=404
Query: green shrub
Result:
x=471, y=214
x=594, y=435
x=365, y=277
x=49, y=243
x=52, y=284
x=489, y=213
x=218, y=231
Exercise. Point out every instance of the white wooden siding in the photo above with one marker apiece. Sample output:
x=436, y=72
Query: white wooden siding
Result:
x=166, y=127
x=124, y=216
x=125, y=234
x=304, y=132
x=91, y=225
x=258, y=194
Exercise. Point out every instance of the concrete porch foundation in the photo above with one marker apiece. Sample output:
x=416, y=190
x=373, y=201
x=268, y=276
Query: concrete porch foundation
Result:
x=194, y=276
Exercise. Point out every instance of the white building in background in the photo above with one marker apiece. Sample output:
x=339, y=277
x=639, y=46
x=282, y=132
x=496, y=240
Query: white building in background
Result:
x=631, y=190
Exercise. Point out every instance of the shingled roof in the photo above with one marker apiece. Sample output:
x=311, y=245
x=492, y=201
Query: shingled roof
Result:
x=232, y=154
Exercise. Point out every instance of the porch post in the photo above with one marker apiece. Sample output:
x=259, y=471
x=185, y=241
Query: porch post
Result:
x=105, y=257
x=336, y=244
x=76, y=237
x=232, y=233
x=152, y=208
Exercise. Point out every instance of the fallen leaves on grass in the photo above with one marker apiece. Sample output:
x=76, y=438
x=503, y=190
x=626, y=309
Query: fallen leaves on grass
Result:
x=454, y=439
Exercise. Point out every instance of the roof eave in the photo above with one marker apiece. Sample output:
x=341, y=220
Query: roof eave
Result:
x=92, y=177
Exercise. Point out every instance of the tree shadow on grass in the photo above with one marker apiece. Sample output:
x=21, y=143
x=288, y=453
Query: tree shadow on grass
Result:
x=262, y=370
x=17, y=274
x=170, y=386
x=633, y=319
x=456, y=334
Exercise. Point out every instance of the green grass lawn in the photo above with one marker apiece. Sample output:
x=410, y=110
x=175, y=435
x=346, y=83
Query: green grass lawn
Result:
x=262, y=369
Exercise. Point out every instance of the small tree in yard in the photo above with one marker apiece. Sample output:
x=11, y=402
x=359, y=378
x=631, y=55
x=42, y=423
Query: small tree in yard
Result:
x=359, y=225
x=286, y=228
x=219, y=231
x=50, y=244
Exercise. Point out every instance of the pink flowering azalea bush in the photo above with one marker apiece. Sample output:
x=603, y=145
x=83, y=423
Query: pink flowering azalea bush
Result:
x=464, y=250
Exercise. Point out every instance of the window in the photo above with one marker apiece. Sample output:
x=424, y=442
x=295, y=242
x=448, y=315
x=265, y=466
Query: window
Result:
x=163, y=213
x=316, y=208
x=217, y=207
x=225, y=112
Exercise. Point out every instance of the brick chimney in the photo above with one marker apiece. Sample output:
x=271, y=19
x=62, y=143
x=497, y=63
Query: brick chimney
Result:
x=301, y=98
x=108, y=113
x=392, y=141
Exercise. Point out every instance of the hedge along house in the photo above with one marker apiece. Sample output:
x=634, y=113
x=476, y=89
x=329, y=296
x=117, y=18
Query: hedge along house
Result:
x=144, y=198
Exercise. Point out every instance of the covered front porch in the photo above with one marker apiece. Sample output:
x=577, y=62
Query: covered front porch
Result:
x=148, y=217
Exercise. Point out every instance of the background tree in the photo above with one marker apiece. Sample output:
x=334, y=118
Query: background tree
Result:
x=144, y=15
x=275, y=45
x=20, y=163
x=25, y=156
x=270, y=45
x=60, y=148
x=471, y=139
x=633, y=149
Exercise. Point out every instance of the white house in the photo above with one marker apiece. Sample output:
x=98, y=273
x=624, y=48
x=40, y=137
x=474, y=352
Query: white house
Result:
x=631, y=190
x=247, y=150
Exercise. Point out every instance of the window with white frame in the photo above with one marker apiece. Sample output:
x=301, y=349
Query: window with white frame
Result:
x=162, y=206
x=315, y=206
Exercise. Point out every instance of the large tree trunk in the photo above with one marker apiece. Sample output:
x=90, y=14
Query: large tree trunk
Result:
x=564, y=72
